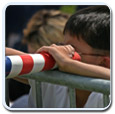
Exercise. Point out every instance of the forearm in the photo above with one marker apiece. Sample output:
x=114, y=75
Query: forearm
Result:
x=25, y=81
x=85, y=69
x=10, y=51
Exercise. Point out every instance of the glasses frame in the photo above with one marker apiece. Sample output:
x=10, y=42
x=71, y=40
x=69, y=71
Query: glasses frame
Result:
x=87, y=54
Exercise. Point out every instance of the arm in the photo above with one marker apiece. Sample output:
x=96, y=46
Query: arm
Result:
x=62, y=56
x=25, y=81
x=85, y=69
x=10, y=51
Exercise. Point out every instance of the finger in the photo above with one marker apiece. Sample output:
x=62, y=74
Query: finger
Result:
x=70, y=49
x=53, y=45
x=44, y=48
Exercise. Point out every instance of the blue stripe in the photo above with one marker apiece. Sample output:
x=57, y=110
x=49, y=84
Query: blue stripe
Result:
x=8, y=65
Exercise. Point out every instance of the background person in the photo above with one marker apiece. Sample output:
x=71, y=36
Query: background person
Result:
x=44, y=28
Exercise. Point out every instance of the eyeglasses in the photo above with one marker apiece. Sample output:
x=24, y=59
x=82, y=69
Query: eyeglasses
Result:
x=87, y=54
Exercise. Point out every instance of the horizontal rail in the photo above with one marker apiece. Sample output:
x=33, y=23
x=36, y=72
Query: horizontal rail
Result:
x=71, y=80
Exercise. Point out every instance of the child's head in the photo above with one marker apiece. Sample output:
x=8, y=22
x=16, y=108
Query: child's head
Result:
x=88, y=31
x=45, y=28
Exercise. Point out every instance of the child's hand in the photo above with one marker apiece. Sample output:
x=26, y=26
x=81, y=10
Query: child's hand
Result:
x=61, y=54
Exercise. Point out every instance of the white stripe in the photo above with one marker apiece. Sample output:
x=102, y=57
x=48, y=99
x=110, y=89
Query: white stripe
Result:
x=39, y=63
x=17, y=65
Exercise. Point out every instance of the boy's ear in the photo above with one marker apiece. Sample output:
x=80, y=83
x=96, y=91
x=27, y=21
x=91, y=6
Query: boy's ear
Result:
x=105, y=62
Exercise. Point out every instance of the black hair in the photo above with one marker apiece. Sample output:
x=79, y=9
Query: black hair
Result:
x=92, y=24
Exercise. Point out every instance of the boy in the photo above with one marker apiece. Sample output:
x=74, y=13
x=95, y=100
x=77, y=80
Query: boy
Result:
x=88, y=33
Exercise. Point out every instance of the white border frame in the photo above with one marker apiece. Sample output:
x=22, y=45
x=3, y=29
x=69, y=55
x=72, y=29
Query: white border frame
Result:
x=3, y=59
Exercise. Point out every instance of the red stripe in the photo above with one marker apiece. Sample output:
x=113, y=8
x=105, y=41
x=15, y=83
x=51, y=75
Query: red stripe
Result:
x=28, y=64
x=49, y=61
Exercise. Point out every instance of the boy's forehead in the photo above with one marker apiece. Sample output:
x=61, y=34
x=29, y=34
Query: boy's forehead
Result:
x=68, y=38
x=78, y=43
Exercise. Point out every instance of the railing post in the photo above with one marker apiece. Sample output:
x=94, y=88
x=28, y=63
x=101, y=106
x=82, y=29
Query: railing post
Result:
x=72, y=96
x=38, y=94
x=72, y=82
x=106, y=100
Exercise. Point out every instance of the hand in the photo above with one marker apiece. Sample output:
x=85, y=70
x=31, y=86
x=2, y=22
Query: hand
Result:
x=61, y=54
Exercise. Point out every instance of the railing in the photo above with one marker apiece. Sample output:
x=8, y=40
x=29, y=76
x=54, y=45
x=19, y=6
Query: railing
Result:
x=72, y=82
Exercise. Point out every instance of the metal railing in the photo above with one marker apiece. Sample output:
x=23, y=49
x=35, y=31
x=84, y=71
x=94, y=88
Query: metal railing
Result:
x=72, y=82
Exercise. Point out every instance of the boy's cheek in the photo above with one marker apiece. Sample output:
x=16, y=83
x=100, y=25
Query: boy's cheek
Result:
x=89, y=60
x=84, y=59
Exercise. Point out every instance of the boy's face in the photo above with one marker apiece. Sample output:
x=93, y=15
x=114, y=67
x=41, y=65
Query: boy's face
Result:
x=82, y=47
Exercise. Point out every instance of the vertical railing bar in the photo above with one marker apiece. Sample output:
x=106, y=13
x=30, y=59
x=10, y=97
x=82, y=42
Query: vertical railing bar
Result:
x=106, y=100
x=72, y=96
x=38, y=94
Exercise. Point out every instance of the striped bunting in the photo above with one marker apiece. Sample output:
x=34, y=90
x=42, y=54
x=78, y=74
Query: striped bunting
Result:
x=30, y=63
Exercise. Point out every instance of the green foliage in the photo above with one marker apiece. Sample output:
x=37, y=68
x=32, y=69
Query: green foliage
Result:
x=68, y=9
